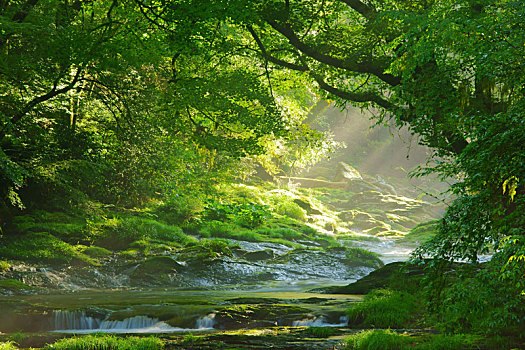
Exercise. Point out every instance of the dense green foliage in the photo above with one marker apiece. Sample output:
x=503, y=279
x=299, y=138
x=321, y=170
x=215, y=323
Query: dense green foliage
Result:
x=129, y=103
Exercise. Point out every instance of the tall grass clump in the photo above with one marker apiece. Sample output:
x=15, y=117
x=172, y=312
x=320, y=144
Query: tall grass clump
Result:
x=377, y=339
x=384, y=308
x=8, y=346
x=106, y=342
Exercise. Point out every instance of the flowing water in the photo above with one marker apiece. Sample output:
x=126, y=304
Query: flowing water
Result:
x=280, y=301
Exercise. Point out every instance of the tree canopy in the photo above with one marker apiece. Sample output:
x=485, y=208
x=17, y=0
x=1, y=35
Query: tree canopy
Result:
x=147, y=92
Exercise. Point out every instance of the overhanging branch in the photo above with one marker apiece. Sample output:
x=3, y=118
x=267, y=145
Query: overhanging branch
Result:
x=370, y=67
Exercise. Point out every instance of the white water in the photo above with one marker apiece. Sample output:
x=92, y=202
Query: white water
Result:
x=206, y=322
x=79, y=322
x=320, y=322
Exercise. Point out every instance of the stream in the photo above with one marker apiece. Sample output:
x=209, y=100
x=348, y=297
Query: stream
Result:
x=282, y=301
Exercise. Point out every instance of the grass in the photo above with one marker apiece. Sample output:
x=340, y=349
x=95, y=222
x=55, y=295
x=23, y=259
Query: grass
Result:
x=8, y=346
x=321, y=332
x=448, y=342
x=43, y=247
x=376, y=339
x=106, y=342
x=4, y=265
x=362, y=257
x=382, y=339
x=384, y=308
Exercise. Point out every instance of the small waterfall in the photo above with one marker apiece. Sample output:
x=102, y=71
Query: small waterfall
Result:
x=65, y=319
x=320, y=322
x=205, y=322
x=79, y=322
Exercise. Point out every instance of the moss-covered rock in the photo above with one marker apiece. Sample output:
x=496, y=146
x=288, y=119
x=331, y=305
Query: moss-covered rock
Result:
x=159, y=264
x=42, y=247
x=14, y=286
x=260, y=315
x=403, y=275
x=96, y=252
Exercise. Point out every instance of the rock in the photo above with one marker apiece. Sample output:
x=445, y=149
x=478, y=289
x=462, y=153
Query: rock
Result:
x=313, y=183
x=345, y=172
x=260, y=315
x=307, y=206
x=380, y=278
x=259, y=255
x=359, y=185
x=155, y=270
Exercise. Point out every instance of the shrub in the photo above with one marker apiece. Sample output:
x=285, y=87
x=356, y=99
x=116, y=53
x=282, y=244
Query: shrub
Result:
x=43, y=247
x=377, y=339
x=180, y=209
x=383, y=308
x=292, y=210
x=106, y=342
x=246, y=214
x=363, y=257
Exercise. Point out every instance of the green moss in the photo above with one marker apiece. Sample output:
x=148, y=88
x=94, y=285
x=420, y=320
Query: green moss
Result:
x=14, y=285
x=61, y=225
x=226, y=230
x=106, y=342
x=96, y=252
x=120, y=232
x=206, y=249
x=43, y=247
x=383, y=308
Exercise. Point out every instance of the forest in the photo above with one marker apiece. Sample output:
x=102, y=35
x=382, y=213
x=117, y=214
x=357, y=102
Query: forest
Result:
x=241, y=174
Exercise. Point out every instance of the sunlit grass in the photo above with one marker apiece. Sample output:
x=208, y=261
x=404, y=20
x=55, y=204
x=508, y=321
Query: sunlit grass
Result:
x=384, y=308
x=106, y=342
